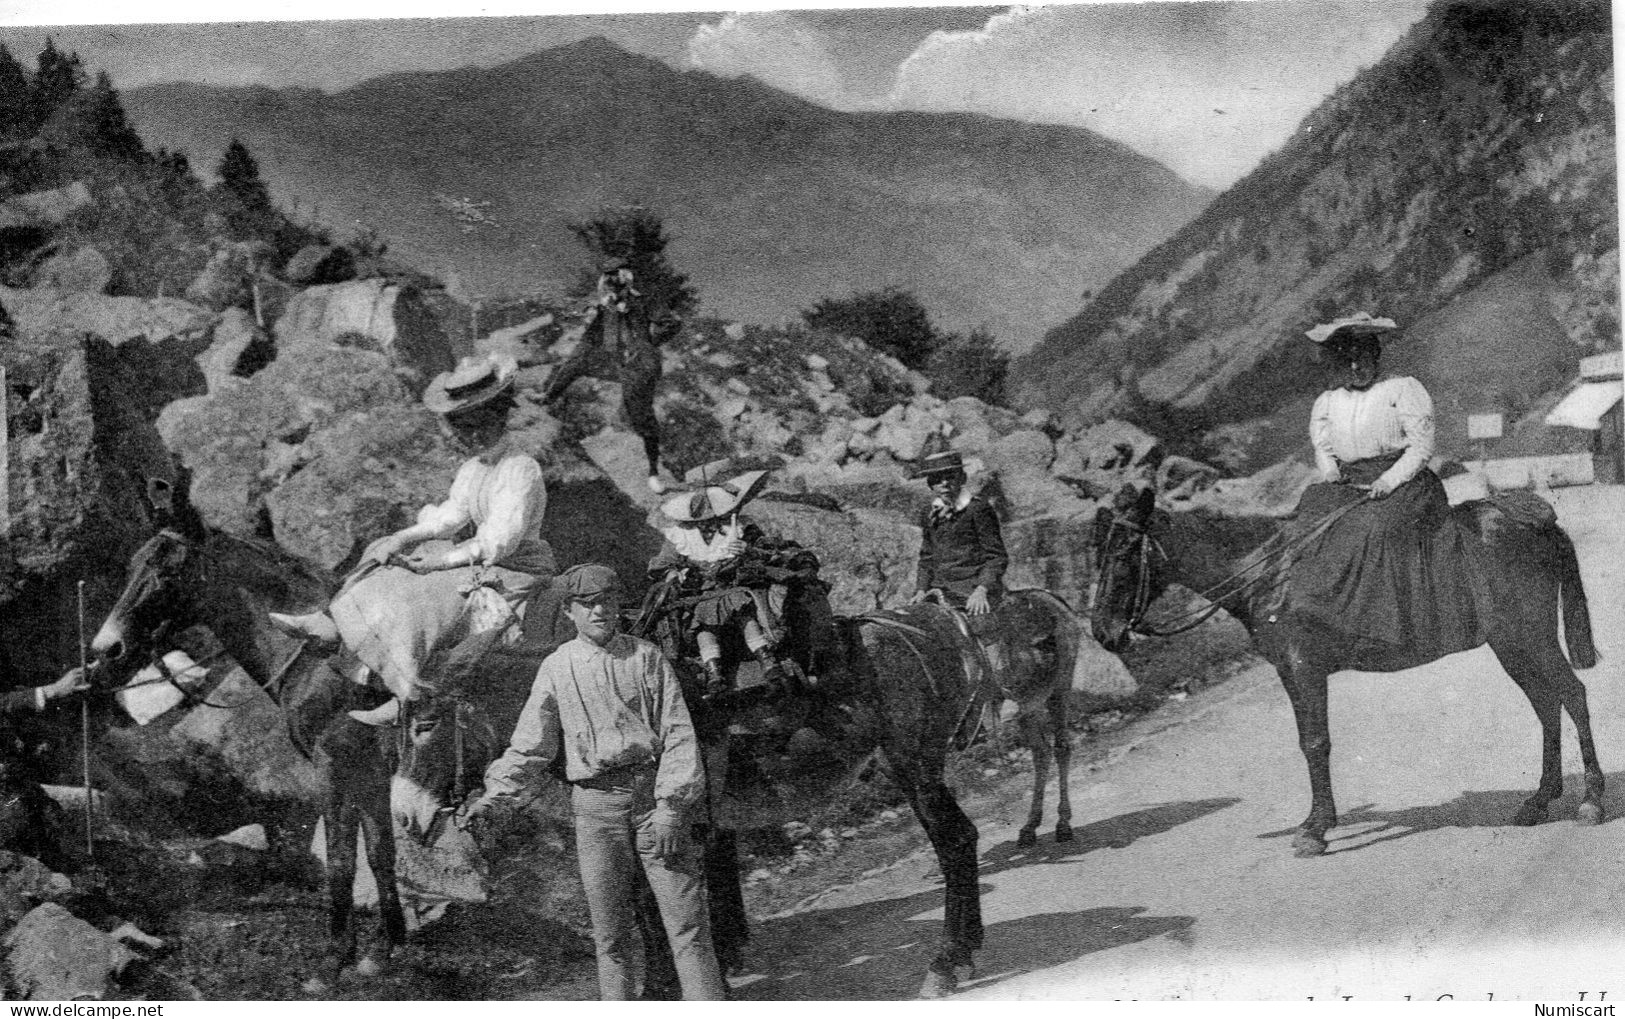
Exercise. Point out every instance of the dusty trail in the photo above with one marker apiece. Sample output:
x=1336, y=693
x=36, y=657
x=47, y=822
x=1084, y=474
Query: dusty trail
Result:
x=1182, y=883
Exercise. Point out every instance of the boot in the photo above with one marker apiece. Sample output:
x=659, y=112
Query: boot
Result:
x=716, y=684
x=317, y=626
x=386, y=713
x=781, y=681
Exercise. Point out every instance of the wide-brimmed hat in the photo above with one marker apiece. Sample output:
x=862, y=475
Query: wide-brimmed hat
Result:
x=715, y=501
x=474, y=381
x=937, y=457
x=1358, y=324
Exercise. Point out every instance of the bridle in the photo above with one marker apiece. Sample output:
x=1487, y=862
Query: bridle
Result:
x=157, y=639
x=1264, y=567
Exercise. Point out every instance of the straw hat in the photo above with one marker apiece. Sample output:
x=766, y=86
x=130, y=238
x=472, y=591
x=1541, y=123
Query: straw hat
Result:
x=1358, y=324
x=475, y=380
x=937, y=457
x=715, y=501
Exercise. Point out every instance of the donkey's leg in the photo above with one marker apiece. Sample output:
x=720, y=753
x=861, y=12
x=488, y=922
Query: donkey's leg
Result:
x=730, y=924
x=342, y=822
x=378, y=827
x=1035, y=737
x=953, y=837
x=1572, y=693
x=1540, y=688
x=1305, y=683
x=1063, y=764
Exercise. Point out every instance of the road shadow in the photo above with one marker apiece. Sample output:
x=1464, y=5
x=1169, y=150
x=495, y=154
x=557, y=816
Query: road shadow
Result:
x=1473, y=808
x=1117, y=832
x=880, y=950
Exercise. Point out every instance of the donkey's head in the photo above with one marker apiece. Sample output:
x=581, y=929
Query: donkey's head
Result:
x=1125, y=581
x=156, y=591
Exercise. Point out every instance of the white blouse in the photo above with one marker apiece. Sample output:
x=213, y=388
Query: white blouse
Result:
x=505, y=503
x=693, y=546
x=1392, y=415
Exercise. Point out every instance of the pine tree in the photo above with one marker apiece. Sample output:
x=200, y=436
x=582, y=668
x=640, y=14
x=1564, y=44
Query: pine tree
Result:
x=94, y=120
x=241, y=196
x=637, y=235
x=14, y=101
x=56, y=79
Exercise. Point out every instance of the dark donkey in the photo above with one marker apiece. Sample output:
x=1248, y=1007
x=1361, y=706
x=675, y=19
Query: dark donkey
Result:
x=909, y=680
x=1528, y=561
x=188, y=575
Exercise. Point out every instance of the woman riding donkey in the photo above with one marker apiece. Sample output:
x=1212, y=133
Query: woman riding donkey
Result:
x=1393, y=570
x=735, y=576
x=415, y=593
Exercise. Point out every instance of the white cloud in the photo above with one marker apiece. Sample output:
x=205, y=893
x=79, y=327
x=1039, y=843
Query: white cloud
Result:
x=774, y=47
x=1206, y=88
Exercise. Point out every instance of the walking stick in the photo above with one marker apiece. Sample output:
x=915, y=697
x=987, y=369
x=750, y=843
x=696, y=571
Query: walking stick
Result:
x=84, y=732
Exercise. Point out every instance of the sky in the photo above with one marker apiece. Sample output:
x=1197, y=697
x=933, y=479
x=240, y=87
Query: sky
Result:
x=1208, y=88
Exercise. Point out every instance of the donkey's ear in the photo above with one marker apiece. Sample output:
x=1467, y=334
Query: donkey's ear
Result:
x=1146, y=504
x=1103, y=525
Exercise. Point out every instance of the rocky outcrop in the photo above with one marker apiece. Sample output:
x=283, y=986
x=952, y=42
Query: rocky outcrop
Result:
x=44, y=207
x=237, y=348
x=83, y=271
x=81, y=451
x=319, y=264
x=326, y=446
x=227, y=280
x=157, y=339
x=373, y=314
x=55, y=956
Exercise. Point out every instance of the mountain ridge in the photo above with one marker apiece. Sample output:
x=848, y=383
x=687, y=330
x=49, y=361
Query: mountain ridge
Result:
x=1476, y=156
x=774, y=201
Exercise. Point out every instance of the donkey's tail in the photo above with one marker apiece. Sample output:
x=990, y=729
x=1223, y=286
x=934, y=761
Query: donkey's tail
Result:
x=1576, y=611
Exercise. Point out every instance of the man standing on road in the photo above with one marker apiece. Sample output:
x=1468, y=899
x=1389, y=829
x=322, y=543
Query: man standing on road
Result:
x=610, y=706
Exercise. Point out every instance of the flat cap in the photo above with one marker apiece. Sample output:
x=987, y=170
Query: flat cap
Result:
x=588, y=580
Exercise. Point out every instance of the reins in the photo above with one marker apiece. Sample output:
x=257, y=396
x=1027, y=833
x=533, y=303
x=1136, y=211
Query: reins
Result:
x=1267, y=561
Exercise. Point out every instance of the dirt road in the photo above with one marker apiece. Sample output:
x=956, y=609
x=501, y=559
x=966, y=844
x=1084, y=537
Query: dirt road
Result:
x=1182, y=883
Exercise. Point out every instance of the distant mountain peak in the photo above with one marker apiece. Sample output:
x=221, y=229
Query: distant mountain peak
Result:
x=774, y=202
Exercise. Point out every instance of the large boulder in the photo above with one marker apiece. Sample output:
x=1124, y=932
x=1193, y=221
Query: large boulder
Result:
x=80, y=453
x=84, y=270
x=1052, y=552
x=158, y=340
x=55, y=956
x=227, y=280
x=317, y=264
x=44, y=207
x=248, y=440
x=391, y=318
x=237, y=348
x=870, y=556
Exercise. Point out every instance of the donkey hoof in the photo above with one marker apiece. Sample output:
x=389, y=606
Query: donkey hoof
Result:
x=1306, y=845
x=1027, y=839
x=1588, y=814
x=1063, y=833
x=1531, y=814
x=937, y=985
x=369, y=967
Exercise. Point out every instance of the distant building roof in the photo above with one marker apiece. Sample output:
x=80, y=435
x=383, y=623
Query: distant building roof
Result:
x=1585, y=406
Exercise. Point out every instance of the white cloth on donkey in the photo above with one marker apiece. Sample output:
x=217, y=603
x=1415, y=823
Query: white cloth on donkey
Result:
x=397, y=622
